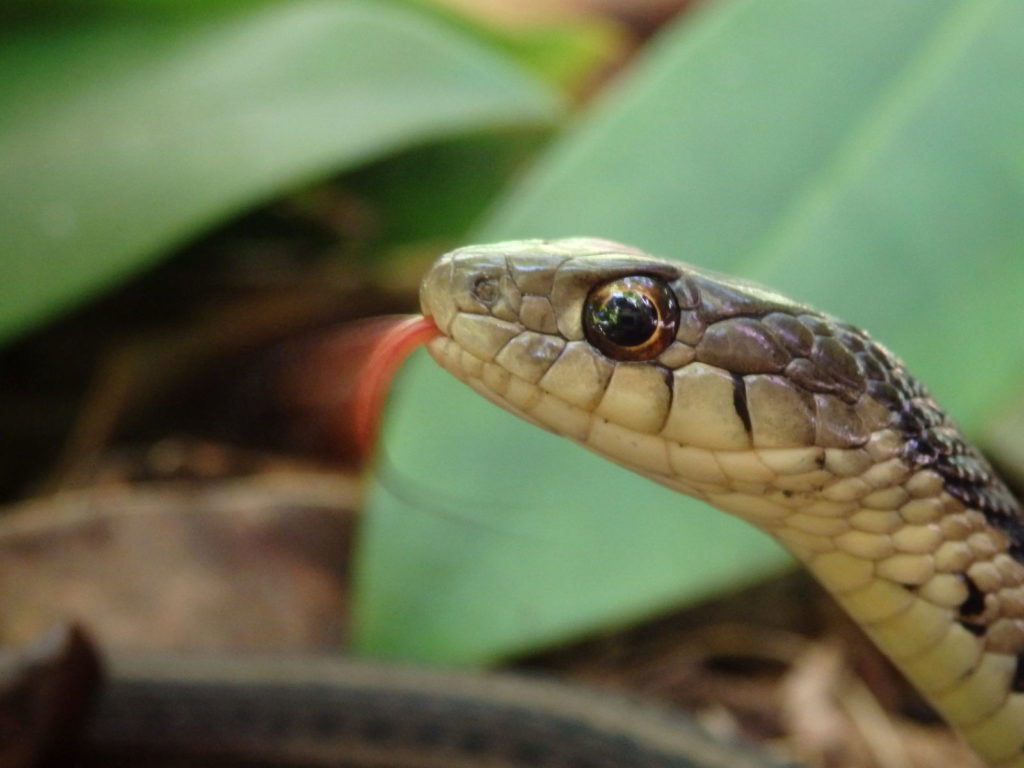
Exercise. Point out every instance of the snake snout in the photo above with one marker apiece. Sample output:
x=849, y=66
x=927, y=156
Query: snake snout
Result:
x=469, y=281
x=436, y=299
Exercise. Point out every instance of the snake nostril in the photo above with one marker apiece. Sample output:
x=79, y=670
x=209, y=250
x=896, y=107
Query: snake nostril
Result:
x=485, y=289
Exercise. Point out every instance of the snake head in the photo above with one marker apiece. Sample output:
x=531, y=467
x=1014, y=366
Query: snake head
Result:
x=714, y=386
x=634, y=355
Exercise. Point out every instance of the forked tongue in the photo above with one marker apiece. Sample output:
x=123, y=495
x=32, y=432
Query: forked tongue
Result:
x=397, y=339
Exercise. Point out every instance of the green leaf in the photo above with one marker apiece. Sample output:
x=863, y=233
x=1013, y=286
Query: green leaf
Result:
x=479, y=542
x=565, y=53
x=122, y=134
x=867, y=157
x=413, y=208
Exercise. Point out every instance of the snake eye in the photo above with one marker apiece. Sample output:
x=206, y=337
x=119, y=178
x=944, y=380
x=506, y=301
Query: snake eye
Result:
x=632, y=318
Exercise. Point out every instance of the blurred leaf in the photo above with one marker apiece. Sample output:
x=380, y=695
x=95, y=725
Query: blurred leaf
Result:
x=867, y=157
x=413, y=207
x=123, y=134
x=1002, y=437
x=564, y=53
x=874, y=169
x=486, y=536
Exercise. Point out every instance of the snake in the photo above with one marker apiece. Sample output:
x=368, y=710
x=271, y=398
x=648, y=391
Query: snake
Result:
x=777, y=413
x=306, y=710
x=330, y=712
x=719, y=388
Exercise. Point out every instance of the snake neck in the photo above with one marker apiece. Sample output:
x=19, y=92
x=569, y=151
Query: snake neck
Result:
x=914, y=537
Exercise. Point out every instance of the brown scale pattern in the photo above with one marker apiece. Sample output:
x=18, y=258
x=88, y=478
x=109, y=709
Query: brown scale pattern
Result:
x=827, y=357
x=841, y=362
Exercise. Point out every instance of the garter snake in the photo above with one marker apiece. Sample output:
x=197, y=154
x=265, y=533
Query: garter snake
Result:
x=309, y=712
x=323, y=711
x=775, y=412
x=721, y=389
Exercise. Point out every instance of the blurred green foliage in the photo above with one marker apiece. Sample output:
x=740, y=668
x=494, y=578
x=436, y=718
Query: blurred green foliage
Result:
x=866, y=157
x=123, y=133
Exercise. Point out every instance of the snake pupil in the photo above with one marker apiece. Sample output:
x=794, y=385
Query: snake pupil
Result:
x=632, y=318
x=628, y=319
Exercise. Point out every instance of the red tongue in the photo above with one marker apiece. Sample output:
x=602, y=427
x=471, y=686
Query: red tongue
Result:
x=395, y=344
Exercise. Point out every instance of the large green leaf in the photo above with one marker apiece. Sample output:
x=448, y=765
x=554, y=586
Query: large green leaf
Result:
x=567, y=52
x=486, y=537
x=867, y=157
x=123, y=133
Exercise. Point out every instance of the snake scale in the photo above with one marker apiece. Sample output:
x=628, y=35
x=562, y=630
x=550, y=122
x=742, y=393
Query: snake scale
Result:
x=779, y=414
